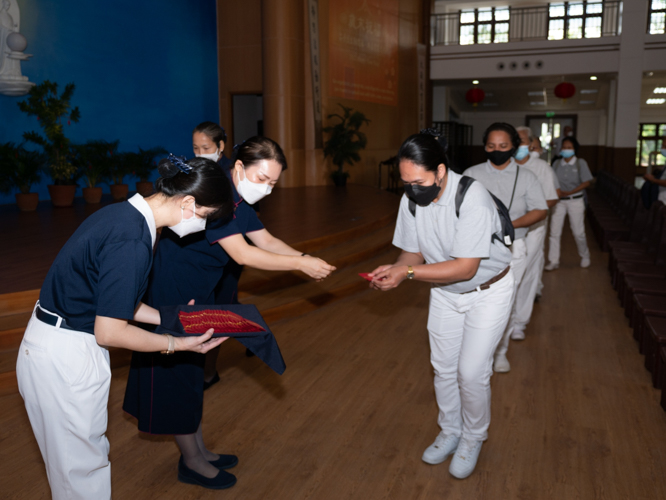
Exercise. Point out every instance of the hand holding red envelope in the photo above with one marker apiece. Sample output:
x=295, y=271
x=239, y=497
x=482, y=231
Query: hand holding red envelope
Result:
x=221, y=321
x=366, y=276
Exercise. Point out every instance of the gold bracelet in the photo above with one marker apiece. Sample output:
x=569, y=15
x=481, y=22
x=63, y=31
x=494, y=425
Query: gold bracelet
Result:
x=172, y=344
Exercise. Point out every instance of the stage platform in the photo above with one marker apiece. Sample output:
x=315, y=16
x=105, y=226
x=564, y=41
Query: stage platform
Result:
x=309, y=218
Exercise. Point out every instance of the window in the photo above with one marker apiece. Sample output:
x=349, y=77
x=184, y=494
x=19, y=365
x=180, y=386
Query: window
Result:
x=657, y=17
x=487, y=25
x=650, y=138
x=570, y=20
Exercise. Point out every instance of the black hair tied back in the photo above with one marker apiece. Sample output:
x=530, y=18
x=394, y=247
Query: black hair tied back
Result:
x=437, y=135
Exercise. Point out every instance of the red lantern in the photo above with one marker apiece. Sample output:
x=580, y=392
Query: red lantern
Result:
x=475, y=96
x=565, y=90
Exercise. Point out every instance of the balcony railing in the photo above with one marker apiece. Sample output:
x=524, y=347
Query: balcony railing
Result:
x=555, y=21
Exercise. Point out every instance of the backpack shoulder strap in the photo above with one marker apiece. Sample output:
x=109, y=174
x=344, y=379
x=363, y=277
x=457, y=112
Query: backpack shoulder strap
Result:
x=463, y=186
x=412, y=208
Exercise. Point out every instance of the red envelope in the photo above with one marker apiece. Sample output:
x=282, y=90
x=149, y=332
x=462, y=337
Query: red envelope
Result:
x=365, y=276
x=221, y=321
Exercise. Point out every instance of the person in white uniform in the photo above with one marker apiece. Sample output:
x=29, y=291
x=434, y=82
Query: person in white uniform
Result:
x=536, y=236
x=471, y=295
x=661, y=180
x=573, y=177
x=91, y=292
x=520, y=191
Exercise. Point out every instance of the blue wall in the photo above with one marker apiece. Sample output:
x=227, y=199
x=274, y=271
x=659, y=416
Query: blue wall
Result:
x=145, y=71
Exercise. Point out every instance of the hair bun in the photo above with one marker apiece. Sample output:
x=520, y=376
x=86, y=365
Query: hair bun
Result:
x=437, y=135
x=167, y=169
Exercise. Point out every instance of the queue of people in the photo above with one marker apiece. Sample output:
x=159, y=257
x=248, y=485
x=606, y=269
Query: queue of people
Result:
x=478, y=238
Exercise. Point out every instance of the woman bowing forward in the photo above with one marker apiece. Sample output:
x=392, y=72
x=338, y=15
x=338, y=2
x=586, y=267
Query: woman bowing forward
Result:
x=90, y=294
x=471, y=295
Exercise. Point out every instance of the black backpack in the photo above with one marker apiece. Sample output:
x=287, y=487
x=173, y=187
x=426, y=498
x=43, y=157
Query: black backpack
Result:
x=508, y=233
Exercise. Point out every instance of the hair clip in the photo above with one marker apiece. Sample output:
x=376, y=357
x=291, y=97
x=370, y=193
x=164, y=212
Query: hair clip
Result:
x=430, y=131
x=180, y=163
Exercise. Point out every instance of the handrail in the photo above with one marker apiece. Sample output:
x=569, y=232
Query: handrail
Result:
x=525, y=24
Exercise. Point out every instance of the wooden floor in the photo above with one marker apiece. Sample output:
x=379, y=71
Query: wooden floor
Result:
x=37, y=237
x=576, y=418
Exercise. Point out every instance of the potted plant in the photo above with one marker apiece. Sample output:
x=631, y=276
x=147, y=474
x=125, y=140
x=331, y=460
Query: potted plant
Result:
x=142, y=165
x=345, y=142
x=20, y=169
x=51, y=109
x=94, y=162
x=118, y=167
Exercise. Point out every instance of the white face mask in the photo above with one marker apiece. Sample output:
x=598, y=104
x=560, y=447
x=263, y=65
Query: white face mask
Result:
x=188, y=226
x=210, y=156
x=535, y=154
x=250, y=191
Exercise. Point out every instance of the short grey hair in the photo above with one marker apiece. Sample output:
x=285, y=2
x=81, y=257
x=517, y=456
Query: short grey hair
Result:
x=530, y=134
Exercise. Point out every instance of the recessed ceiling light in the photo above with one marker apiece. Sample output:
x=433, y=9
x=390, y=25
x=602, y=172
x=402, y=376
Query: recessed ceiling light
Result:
x=537, y=103
x=656, y=101
x=535, y=92
x=660, y=90
x=475, y=82
x=587, y=102
x=593, y=78
x=589, y=91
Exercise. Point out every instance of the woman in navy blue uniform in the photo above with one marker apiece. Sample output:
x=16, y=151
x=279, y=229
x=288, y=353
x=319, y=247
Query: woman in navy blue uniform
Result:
x=208, y=141
x=166, y=395
x=91, y=292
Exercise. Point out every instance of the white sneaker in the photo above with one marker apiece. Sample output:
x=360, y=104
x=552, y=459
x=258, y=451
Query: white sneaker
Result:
x=464, y=460
x=440, y=450
x=517, y=333
x=501, y=364
x=551, y=266
x=585, y=263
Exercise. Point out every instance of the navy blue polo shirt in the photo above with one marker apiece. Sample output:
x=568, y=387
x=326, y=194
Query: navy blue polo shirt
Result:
x=102, y=270
x=190, y=267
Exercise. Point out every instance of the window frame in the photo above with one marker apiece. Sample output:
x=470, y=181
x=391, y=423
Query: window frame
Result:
x=476, y=24
x=584, y=17
x=657, y=138
x=649, y=19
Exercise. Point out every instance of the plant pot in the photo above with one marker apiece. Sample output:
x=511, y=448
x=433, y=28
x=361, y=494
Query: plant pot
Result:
x=62, y=196
x=144, y=188
x=27, y=202
x=92, y=195
x=119, y=191
x=339, y=180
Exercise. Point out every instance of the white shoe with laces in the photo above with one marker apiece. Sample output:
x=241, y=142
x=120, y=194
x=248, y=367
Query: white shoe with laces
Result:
x=464, y=460
x=440, y=450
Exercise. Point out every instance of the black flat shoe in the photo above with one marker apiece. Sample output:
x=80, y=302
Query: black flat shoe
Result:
x=213, y=381
x=222, y=481
x=225, y=462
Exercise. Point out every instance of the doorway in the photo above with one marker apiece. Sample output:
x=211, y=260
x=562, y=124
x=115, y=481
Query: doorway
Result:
x=247, y=116
x=550, y=129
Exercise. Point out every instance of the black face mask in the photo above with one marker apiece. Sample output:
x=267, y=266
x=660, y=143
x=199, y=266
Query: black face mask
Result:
x=500, y=157
x=422, y=195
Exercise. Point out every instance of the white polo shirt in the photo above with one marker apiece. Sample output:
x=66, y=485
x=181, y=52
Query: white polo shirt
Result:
x=439, y=235
x=528, y=194
x=548, y=180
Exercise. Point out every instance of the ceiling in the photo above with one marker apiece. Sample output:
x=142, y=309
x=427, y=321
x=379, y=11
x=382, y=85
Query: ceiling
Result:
x=536, y=94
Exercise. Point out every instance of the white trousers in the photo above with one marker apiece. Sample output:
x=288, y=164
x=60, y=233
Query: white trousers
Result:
x=64, y=378
x=527, y=290
x=518, y=263
x=576, y=211
x=464, y=330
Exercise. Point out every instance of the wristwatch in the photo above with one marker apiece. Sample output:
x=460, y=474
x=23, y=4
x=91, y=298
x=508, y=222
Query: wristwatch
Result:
x=410, y=273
